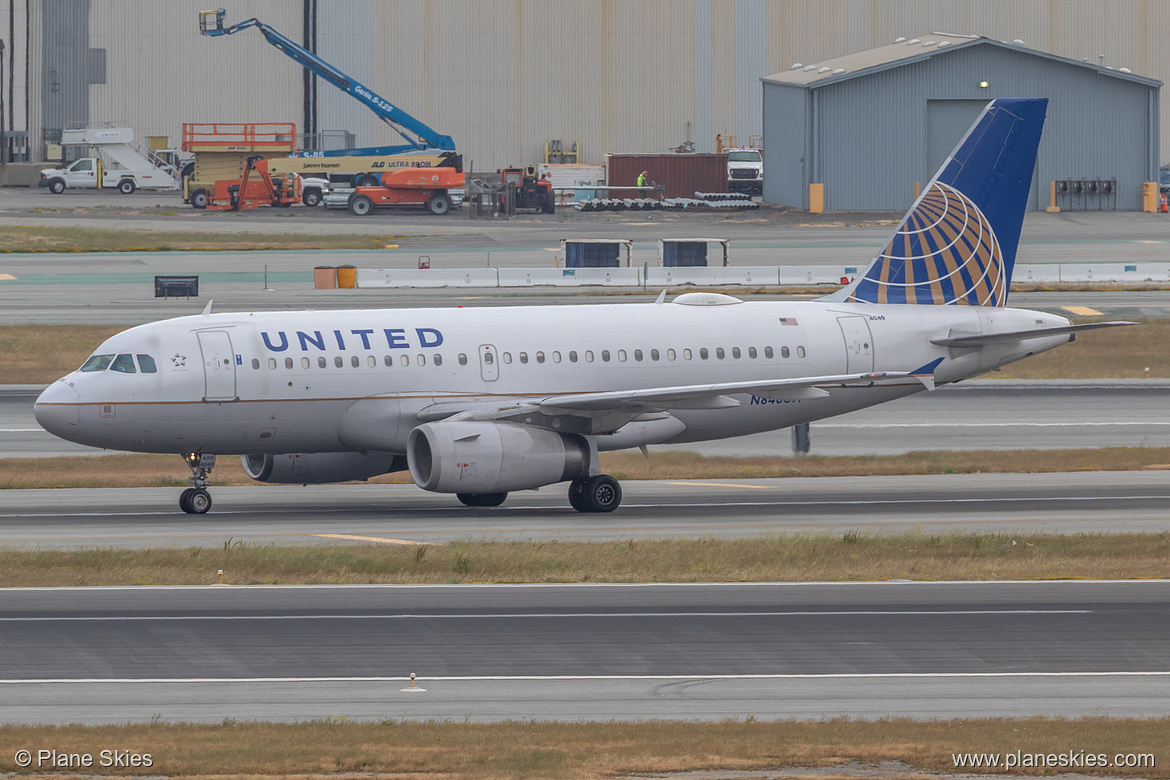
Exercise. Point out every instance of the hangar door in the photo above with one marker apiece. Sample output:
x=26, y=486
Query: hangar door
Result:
x=947, y=121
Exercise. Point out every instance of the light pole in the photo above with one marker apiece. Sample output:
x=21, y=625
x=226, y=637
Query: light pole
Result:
x=3, y=143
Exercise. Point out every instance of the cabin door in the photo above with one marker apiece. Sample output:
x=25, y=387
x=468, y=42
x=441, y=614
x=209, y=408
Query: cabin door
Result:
x=219, y=366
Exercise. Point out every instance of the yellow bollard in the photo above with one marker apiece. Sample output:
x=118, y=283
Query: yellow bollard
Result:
x=1150, y=196
x=816, y=198
x=1052, y=208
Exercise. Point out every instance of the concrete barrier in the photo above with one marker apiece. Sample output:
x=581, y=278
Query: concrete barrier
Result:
x=427, y=277
x=818, y=274
x=539, y=277
x=606, y=277
x=713, y=276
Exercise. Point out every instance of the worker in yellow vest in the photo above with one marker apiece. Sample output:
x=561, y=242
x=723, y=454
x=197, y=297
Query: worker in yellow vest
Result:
x=644, y=179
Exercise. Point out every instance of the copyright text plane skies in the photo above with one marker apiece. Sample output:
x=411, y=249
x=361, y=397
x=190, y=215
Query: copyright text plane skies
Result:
x=481, y=402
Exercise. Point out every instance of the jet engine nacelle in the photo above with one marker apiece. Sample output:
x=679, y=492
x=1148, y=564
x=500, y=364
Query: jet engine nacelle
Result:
x=486, y=457
x=315, y=468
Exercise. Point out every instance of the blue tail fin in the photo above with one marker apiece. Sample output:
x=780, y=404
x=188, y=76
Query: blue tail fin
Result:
x=957, y=244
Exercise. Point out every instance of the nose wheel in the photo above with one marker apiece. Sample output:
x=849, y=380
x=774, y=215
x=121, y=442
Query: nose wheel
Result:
x=195, y=500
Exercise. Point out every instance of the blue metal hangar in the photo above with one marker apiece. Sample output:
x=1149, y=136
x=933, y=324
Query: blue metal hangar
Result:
x=869, y=126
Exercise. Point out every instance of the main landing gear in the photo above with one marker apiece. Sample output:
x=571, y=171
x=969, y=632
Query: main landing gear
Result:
x=195, y=500
x=600, y=493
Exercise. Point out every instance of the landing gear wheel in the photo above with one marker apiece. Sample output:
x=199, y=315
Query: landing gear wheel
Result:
x=127, y=186
x=601, y=493
x=360, y=205
x=439, y=203
x=481, y=499
x=199, y=199
x=185, y=500
x=577, y=495
x=57, y=186
x=198, y=502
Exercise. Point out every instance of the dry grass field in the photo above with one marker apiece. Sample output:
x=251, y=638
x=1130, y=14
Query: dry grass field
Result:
x=592, y=751
x=57, y=239
x=851, y=556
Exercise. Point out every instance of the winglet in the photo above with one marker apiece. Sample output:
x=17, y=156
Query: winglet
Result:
x=207, y=309
x=925, y=374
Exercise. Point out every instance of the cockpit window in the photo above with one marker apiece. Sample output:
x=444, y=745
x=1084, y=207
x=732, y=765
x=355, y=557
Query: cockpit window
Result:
x=97, y=363
x=146, y=363
x=125, y=364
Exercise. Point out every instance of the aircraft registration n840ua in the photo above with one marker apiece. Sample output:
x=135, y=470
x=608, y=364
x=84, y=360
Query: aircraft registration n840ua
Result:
x=481, y=402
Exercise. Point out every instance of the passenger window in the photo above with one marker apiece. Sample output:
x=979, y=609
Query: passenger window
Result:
x=622, y=355
x=255, y=365
x=637, y=354
x=539, y=357
x=371, y=361
x=686, y=354
x=97, y=363
x=703, y=352
x=304, y=362
x=768, y=352
x=752, y=353
x=271, y=364
x=653, y=354
x=719, y=352
x=671, y=354
x=588, y=356
x=573, y=356
x=338, y=362
x=438, y=359
x=388, y=360
x=422, y=359
x=321, y=362
x=404, y=360
x=735, y=353
x=353, y=361
x=489, y=358
x=605, y=355
x=288, y=363
x=124, y=364
x=507, y=356
x=523, y=357
x=784, y=352
x=800, y=352
x=462, y=359
x=556, y=357
x=146, y=364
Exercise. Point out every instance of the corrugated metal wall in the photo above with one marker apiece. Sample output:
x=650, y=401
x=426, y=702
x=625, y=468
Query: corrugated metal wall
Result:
x=681, y=175
x=1087, y=117
x=502, y=76
x=786, y=115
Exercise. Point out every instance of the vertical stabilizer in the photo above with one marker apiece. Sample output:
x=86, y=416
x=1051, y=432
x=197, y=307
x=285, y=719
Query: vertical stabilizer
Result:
x=957, y=244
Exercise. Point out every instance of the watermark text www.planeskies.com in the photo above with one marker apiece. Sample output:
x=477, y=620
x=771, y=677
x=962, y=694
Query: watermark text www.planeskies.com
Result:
x=1069, y=759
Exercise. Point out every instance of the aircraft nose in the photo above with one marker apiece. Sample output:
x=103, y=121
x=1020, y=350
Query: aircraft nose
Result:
x=58, y=409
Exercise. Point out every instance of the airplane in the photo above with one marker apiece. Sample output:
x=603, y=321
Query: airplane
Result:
x=481, y=402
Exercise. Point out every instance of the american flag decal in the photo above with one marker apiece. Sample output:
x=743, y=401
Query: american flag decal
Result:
x=788, y=321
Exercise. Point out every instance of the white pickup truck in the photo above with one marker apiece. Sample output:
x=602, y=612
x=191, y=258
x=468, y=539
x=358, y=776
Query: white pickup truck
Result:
x=118, y=163
x=745, y=171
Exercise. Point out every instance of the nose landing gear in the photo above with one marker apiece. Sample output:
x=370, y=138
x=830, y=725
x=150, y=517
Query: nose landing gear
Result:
x=195, y=500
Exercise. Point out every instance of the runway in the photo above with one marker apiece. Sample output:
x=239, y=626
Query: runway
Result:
x=982, y=414
x=707, y=651
x=1088, y=502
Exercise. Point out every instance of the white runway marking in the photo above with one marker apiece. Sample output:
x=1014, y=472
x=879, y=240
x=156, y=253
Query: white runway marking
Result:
x=578, y=677
x=523, y=615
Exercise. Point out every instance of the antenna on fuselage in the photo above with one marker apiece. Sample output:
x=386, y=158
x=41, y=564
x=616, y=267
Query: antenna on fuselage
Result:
x=207, y=309
x=661, y=297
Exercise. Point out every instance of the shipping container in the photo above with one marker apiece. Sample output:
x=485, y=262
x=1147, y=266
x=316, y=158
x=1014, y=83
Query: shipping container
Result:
x=681, y=174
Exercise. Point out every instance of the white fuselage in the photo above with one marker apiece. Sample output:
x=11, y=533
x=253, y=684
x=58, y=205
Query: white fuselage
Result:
x=338, y=381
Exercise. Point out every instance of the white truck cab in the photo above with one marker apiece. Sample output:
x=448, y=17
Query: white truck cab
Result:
x=745, y=171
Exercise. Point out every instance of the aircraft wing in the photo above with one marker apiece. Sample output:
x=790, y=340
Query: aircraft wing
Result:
x=983, y=340
x=605, y=411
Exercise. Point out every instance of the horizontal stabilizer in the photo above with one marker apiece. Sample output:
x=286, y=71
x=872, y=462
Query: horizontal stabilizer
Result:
x=984, y=340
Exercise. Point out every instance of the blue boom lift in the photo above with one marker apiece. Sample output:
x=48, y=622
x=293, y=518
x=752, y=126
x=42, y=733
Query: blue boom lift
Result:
x=418, y=136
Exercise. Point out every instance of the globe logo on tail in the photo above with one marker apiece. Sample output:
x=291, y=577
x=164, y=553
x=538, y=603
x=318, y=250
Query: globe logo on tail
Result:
x=944, y=252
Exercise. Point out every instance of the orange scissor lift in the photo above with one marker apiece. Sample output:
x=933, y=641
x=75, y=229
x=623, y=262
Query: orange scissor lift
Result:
x=231, y=165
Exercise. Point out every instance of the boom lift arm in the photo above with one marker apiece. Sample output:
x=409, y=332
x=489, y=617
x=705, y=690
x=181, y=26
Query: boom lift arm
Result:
x=418, y=136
